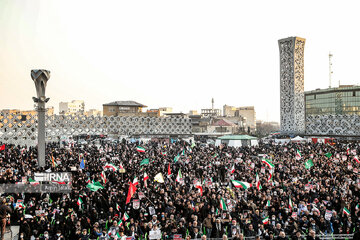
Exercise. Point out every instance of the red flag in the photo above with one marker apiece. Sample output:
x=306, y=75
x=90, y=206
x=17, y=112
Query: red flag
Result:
x=131, y=192
x=2, y=147
x=169, y=170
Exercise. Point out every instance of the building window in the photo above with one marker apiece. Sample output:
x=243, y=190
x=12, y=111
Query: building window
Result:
x=354, y=94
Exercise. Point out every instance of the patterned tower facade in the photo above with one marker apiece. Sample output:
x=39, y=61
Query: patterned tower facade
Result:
x=292, y=107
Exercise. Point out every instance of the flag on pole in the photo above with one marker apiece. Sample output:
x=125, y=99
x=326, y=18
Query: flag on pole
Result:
x=33, y=182
x=163, y=153
x=176, y=158
x=117, y=207
x=223, y=205
x=169, y=170
x=258, y=184
x=179, y=177
x=135, y=181
x=53, y=161
x=111, y=166
x=145, y=161
x=356, y=159
x=309, y=163
x=199, y=186
x=268, y=163
x=265, y=221
x=140, y=149
x=103, y=177
x=2, y=147
x=94, y=186
x=79, y=201
x=346, y=211
x=131, y=192
x=268, y=203
x=328, y=155
x=232, y=170
x=159, y=178
x=270, y=176
x=291, y=205
x=239, y=184
x=146, y=177
x=298, y=153
x=347, y=151
x=357, y=206
x=125, y=217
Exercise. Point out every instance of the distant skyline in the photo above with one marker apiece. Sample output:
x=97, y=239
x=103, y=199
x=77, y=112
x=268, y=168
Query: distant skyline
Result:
x=177, y=54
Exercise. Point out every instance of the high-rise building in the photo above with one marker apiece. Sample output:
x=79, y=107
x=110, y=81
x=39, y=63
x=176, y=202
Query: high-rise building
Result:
x=292, y=109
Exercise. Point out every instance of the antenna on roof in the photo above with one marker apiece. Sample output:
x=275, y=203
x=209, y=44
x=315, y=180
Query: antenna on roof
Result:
x=330, y=69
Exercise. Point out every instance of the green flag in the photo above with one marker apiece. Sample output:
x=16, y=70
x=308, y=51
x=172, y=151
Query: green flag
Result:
x=94, y=186
x=176, y=158
x=145, y=161
x=309, y=164
x=328, y=155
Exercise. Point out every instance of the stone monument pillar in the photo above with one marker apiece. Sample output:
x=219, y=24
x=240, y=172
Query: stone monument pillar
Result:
x=292, y=106
x=40, y=78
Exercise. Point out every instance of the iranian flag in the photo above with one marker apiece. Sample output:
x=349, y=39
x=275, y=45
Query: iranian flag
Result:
x=125, y=217
x=135, y=181
x=239, y=184
x=163, y=153
x=258, y=184
x=79, y=201
x=103, y=177
x=268, y=203
x=169, y=170
x=223, y=205
x=356, y=159
x=199, y=186
x=298, y=154
x=120, y=223
x=111, y=166
x=146, y=177
x=346, y=211
x=232, y=170
x=179, y=177
x=117, y=207
x=291, y=205
x=33, y=182
x=265, y=220
x=347, y=151
x=357, y=206
x=20, y=205
x=140, y=149
x=270, y=176
x=268, y=163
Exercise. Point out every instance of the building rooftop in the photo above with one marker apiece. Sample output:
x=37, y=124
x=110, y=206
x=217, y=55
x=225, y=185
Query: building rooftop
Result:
x=223, y=122
x=125, y=104
x=334, y=89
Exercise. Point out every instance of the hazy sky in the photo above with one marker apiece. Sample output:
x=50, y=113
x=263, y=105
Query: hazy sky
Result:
x=171, y=53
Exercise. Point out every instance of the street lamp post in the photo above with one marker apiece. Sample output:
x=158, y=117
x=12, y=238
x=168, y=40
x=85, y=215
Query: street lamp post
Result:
x=40, y=78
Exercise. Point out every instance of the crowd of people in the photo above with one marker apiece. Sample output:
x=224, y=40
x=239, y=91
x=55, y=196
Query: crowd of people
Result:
x=187, y=191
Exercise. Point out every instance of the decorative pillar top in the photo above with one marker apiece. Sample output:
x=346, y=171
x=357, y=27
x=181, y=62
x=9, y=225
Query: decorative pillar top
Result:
x=40, y=78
